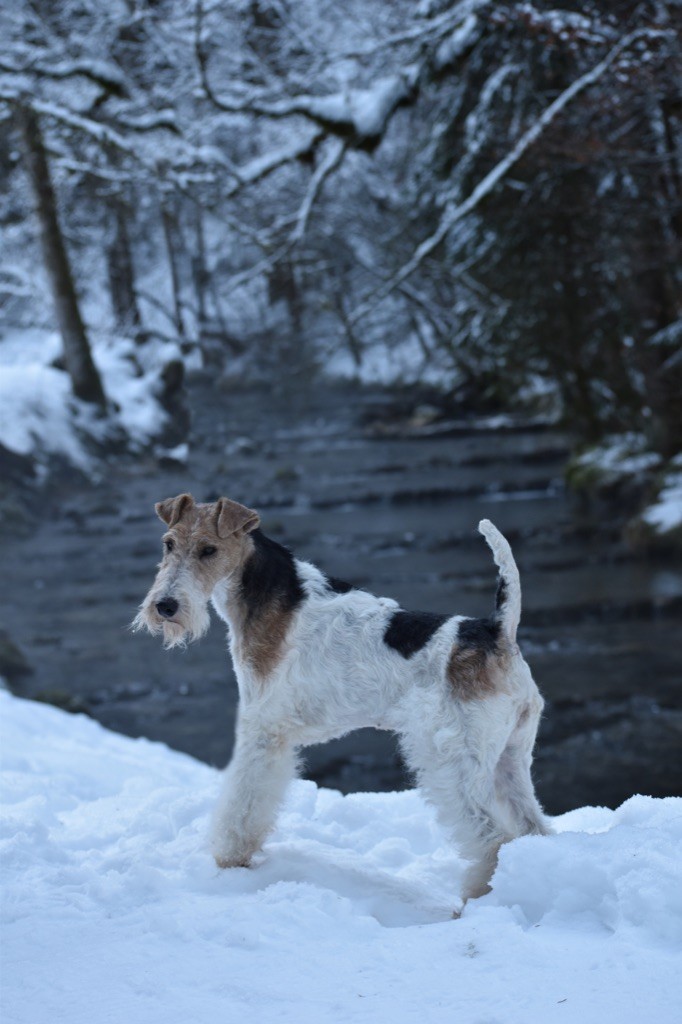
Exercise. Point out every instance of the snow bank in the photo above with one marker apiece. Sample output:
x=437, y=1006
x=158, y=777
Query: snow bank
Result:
x=39, y=415
x=114, y=911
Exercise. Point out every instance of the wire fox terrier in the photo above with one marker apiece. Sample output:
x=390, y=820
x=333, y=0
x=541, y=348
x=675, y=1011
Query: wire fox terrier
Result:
x=316, y=658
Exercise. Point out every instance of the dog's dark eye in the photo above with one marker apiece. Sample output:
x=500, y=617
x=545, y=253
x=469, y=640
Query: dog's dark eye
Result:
x=207, y=551
x=168, y=545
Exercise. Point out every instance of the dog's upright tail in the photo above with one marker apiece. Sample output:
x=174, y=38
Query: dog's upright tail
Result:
x=508, y=600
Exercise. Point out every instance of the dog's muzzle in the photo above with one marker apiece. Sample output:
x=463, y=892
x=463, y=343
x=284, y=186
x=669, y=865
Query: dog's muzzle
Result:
x=167, y=607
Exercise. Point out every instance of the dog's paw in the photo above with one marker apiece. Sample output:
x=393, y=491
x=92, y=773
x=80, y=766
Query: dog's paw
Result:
x=233, y=850
x=227, y=861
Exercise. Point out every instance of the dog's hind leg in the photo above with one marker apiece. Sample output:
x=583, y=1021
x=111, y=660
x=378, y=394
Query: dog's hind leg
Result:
x=467, y=808
x=457, y=776
x=262, y=765
x=513, y=782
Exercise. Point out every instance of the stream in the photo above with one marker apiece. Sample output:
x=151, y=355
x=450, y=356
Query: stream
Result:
x=391, y=504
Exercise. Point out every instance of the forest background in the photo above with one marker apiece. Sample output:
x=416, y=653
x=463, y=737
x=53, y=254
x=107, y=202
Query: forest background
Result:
x=488, y=193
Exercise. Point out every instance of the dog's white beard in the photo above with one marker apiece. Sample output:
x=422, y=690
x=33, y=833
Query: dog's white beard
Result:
x=187, y=629
x=192, y=617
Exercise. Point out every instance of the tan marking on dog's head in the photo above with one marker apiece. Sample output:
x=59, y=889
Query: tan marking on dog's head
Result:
x=210, y=539
x=172, y=509
x=204, y=544
x=231, y=517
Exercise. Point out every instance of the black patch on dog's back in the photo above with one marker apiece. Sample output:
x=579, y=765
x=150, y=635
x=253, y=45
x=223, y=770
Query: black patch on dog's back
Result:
x=270, y=575
x=338, y=586
x=408, y=632
x=481, y=634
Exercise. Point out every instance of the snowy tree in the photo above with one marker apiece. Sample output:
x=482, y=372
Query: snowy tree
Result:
x=77, y=356
x=496, y=185
x=573, y=258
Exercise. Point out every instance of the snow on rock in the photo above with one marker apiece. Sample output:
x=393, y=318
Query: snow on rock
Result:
x=114, y=910
x=37, y=412
x=625, y=460
x=665, y=514
x=619, y=456
x=40, y=417
x=132, y=379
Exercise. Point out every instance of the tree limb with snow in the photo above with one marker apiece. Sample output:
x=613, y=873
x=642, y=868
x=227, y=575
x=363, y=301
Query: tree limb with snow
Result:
x=455, y=213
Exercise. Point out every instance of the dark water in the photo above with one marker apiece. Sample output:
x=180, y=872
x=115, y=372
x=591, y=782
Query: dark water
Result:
x=391, y=506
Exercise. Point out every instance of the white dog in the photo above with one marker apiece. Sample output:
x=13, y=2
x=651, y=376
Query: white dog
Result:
x=316, y=658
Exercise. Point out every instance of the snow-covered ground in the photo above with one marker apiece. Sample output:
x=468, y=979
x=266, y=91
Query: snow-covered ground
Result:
x=113, y=910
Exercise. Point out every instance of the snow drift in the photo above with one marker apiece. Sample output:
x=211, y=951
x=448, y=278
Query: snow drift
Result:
x=113, y=909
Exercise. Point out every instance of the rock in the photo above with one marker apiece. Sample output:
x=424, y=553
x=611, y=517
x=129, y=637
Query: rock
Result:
x=63, y=699
x=424, y=415
x=15, y=468
x=13, y=664
x=241, y=446
x=173, y=458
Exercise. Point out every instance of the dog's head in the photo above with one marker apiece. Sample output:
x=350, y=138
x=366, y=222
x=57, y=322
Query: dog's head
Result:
x=204, y=544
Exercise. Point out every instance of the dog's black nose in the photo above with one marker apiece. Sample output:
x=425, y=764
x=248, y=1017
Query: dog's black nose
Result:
x=167, y=607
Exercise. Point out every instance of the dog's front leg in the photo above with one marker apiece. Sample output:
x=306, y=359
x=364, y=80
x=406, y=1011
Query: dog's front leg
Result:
x=262, y=765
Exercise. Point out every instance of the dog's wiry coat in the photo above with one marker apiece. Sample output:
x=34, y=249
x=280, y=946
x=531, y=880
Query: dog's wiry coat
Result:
x=316, y=658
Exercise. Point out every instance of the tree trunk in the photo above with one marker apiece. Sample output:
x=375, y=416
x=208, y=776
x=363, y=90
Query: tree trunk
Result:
x=167, y=222
x=121, y=275
x=85, y=379
x=200, y=273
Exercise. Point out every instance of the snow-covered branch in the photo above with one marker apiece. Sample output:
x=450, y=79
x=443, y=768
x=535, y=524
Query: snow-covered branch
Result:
x=96, y=130
x=361, y=114
x=455, y=213
x=327, y=166
x=259, y=167
x=103, y=73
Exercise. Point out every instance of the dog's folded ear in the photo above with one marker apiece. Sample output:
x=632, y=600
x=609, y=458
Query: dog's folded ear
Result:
x=231, y=517
x=172, y=510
